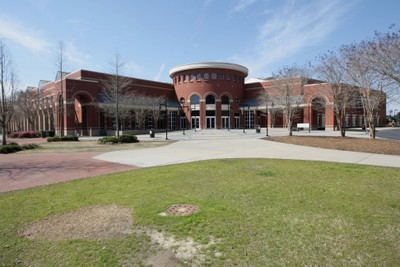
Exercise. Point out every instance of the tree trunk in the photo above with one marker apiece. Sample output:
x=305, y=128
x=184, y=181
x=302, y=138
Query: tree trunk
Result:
x=342, y=131
x=4, y=141
x=372, y=131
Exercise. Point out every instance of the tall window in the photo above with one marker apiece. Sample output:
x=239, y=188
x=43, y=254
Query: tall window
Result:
x=213, y=76
x=225, y=100
x=198, y=77
x=172, y=117
x=228, y=76
x=191, y=76
x=194, y=99
x=184, y=77
x=210, y=99
x=221, y=76
x=206, y=76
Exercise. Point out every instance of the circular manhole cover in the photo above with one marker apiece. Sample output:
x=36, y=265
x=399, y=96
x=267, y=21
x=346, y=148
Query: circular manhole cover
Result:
x=181, y=209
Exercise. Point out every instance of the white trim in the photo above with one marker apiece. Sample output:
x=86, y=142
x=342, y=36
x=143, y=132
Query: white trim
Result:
x=209, y=65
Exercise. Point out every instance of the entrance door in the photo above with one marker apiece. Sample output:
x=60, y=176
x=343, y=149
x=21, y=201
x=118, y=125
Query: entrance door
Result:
x=237, y=122
x=225, y=123
x=195, y=123
x=210, y=122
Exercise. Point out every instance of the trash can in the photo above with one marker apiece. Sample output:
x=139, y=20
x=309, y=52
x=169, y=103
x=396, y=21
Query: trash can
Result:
x=152, y=134
x=258, y=130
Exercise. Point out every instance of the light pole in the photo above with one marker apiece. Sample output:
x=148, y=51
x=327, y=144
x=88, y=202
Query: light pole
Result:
x=165, y=104
x=229, y=115
x=183, y=113
x=243, y=115
x=195, y=119
x=395, y=116
x=266, y=109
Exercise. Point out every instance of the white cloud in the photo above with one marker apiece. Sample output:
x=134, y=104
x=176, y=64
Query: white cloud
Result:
x=74, y=57
x=160, y=72
x=22, y=35
x=131, y=68
x=242, y=4
x=287, y=31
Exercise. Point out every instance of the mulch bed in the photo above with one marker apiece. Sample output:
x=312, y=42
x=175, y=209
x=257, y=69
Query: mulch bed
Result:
x=378, y=146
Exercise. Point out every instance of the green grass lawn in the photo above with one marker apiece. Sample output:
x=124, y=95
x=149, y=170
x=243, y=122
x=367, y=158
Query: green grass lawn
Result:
x=259, y=213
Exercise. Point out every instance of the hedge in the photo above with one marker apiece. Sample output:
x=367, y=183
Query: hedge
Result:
x=24, y=134
x=125, y=138
x=14, y=147
x=66, y=138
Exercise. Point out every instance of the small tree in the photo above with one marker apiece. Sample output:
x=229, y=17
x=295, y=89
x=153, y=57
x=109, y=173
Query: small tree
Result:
x=371, y=84
x=116, y=99
x=27, y=107
x=287, y=92
x=7, y=90
x=332, y=70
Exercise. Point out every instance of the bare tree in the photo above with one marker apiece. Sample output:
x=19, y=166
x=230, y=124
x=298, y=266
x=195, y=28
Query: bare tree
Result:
x=155, y=111
x=27, y=107
x=60, y=76
x=382, y=54
x=371, y=84
x=116, y=98
x=7, y=87
x=287, y=92
x=332, y=69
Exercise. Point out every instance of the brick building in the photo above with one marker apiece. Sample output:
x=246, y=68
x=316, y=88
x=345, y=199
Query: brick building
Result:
x=206, y=95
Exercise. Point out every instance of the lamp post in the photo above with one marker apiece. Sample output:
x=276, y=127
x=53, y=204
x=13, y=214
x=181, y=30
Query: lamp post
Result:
x=395, y=116
x=195, y=119
x=266, y=112
x=229, y=115
x=243, y=115
x=165, y=104
x=183, y=113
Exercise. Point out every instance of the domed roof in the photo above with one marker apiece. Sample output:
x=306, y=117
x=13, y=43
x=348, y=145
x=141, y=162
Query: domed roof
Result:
x=209, y=65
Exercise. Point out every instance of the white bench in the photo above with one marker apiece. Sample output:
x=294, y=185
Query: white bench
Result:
x=303, y=126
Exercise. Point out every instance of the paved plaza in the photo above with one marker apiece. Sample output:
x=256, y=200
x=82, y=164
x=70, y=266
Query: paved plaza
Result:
x=217, y=144
x=19, y=171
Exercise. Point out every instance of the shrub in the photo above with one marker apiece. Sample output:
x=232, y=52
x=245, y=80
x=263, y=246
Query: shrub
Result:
x=108, y=140
x=125, y=138
x=70, y=138
x=29, y=146
x=128, y=138
x=25, y=134
x=66, y=138
x=10, y=148
x=54, y=139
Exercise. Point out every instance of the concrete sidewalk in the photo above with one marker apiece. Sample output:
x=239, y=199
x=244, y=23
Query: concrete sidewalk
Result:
x=217, y=144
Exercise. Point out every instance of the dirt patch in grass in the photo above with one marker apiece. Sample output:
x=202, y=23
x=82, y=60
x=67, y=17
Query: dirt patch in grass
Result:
x=378, y=146
x=111, y=221
x=90, y=223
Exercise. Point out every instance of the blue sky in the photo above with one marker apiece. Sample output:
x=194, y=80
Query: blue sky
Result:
x=152, y=36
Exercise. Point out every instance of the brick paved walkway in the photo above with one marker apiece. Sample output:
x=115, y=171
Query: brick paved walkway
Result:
x=19, y=171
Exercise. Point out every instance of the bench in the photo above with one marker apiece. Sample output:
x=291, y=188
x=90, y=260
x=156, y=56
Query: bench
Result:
x=303, y=126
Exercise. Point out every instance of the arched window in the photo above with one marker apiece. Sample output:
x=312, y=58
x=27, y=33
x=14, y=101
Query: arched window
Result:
x=210, y=99
x=213, y=76
x=206, y=76
x=194, y=99
x=225, y=100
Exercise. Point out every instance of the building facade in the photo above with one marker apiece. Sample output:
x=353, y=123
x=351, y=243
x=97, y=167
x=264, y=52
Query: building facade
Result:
x=208, y=95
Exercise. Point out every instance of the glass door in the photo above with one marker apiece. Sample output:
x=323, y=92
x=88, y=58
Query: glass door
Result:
x=210, y=122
